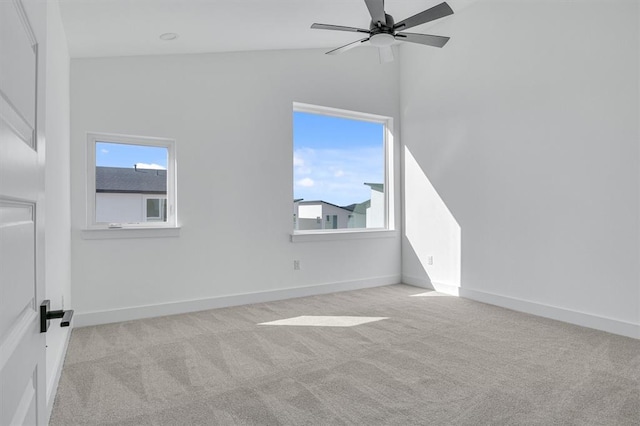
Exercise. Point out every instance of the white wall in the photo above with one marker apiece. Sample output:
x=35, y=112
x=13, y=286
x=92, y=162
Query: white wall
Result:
x=231, y=115
x=523, y=131
x=57, y=191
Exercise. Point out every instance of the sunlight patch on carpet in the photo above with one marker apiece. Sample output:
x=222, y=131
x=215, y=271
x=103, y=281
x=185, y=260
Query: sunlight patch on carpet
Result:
x=324, y=321
x=431, y=294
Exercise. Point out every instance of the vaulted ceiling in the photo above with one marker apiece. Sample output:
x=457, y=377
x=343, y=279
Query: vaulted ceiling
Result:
x=97, y=28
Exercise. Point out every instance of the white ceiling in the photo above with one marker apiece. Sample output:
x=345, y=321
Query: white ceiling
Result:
x=97, y=28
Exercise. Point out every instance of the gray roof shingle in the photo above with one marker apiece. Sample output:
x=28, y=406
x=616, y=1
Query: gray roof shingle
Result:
x=131, y=180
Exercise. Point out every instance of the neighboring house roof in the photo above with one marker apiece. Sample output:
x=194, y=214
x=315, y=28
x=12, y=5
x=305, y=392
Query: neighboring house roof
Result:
x=355, y=208
x=359, y=207
x=131, y=180
x=321, y=202
x=376, y=186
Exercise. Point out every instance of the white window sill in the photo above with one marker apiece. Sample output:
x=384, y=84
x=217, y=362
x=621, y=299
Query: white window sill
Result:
x=334, y=235
x=130, y=232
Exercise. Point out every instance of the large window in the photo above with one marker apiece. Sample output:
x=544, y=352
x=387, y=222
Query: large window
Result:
x=131, y=182
x=340, y=169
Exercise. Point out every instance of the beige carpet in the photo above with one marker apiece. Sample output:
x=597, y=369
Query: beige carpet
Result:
x=433, y=360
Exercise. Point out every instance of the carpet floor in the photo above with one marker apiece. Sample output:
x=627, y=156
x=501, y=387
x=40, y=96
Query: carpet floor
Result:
x=435, y=359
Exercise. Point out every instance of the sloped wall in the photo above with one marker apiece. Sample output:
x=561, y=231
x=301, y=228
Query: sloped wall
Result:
x=523, y=131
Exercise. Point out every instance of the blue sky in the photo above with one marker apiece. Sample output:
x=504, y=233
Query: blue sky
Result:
x=124, y=155
x=333, y=158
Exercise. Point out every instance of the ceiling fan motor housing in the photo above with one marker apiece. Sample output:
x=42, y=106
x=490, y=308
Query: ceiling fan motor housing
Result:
x=386, y=27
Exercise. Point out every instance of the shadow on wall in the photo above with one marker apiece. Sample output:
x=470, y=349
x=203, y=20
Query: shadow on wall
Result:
x=432, y=249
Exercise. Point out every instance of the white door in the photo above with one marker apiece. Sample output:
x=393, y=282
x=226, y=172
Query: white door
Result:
x=22, y=346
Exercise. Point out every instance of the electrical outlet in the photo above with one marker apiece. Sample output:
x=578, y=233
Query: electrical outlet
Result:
x=429, y=260
x=296, y=265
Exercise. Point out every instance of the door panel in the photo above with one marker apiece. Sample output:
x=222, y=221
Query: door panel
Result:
x=18, y=381
x=19, y=65
x=22, y=346
x=17, y=250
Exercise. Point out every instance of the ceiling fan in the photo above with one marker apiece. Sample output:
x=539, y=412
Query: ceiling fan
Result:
x=383, y=31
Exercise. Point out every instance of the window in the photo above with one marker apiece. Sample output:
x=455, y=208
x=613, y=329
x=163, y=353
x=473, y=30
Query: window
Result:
x=130, y=182
x=156, y=209
x=341, y=169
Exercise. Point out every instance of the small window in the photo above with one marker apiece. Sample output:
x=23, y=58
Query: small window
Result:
x=341, y=169
x=156, y=209
x=131, y=181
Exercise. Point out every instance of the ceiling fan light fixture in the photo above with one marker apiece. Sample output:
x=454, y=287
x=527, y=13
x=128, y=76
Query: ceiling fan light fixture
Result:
x=382, y=40
x=383, y=30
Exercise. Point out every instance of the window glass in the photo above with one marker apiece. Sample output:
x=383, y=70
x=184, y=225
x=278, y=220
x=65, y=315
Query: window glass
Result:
x=153, y=208
x=338, y=172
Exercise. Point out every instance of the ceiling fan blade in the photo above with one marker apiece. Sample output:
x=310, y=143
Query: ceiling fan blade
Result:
x=436, y=12
x=386, y=54
x=338, y=28
x=347, y=47
x=376, y=10
x=429, y=40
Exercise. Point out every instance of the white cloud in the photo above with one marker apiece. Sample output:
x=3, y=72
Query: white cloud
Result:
x=306, y=182
x=104, y=151
x=153, y=166
x=338, y=175
x=302, y=161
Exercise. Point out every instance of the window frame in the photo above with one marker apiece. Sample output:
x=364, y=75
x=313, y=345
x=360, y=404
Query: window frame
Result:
x=389, y=185
x=170, y=144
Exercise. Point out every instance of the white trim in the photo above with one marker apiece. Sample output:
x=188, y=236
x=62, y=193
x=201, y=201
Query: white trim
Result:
x=389, y=175
x=596, y=322
x=53, y=386
x=90, y=181
x=341, y=113
x=609, y=325
x=341, y=234
x=83, y=319
x=24, y=20
x=131, y=232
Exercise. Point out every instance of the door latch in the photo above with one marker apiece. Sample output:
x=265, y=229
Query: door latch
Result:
x=46, y=315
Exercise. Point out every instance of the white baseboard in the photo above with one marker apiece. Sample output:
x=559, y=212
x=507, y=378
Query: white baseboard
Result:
x=609, y=325
x=553, y=312
x=83, y=319
x=451, y=289
x=52, y=387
